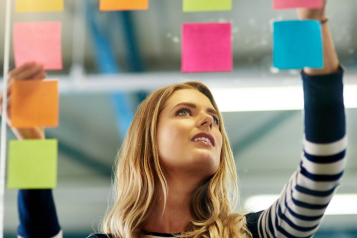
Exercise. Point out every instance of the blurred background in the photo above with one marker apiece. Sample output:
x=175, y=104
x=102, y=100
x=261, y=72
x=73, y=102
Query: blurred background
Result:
x=113, y=60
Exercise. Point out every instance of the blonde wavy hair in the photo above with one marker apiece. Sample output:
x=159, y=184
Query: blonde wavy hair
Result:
x=138, y=166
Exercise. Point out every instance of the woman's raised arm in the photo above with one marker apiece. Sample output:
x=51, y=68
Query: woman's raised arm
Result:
x=36, y=208
x=302, y=204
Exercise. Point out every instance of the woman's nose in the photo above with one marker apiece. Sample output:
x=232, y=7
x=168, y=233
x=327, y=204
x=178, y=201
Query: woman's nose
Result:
x=207, y=121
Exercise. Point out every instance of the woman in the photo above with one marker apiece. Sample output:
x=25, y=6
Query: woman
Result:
x=176, y=173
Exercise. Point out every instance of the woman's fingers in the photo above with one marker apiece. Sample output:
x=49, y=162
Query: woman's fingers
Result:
x=27, y=74
x=314, y=14
x=27, y=71
x=41, y=75
x=38, y=75
x=13, y=73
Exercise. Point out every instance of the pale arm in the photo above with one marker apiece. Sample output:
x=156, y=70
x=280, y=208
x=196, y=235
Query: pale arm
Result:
x=331, y=63
x=37, y=211
x=300, y=209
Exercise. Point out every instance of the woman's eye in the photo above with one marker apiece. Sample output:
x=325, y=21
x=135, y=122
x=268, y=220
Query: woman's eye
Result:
x=216, y=120
x=183, y=112
x=186, y=112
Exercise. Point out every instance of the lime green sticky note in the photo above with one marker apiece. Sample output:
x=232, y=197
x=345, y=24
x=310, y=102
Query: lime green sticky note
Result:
x=32, y=164
x=206, y=5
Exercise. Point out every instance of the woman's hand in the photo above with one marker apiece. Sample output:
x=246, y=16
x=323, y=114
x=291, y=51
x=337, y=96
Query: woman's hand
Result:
x=330, y=59
x=29, y=71
x=313, y=14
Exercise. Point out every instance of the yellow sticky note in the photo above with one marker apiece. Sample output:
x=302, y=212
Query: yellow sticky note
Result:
x=123, y=5
x=206, y=5
x=32, y=164
x=39, y=5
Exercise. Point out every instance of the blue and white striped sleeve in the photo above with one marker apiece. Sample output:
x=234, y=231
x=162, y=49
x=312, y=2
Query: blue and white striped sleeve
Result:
x=37, y=213
x=299, y=210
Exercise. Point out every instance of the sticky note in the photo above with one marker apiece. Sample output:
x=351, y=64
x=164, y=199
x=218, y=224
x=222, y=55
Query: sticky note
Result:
x=39, y=42
x=206, y=5
x=285, y=4
x=206, y=47
x=122, y=5
x=297, y=44
x=39, y=5
x=34, y=103
x=32, y=164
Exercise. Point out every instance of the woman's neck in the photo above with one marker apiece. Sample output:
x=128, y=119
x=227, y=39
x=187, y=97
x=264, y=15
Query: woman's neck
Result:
x=177, y=214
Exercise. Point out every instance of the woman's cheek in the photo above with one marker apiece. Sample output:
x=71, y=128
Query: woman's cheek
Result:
x=169, y=138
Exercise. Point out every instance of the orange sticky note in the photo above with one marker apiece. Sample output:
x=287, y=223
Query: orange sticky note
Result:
x=39, y=5
x=122, y=5
x=39, y=42
x=34, y=103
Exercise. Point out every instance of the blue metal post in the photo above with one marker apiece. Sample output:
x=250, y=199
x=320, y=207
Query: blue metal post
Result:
x=107, y=64
x=132, y=48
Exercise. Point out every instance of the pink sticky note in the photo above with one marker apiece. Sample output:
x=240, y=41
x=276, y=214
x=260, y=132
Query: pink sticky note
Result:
x=285, y=4
x=206, y=47
x=39, y=42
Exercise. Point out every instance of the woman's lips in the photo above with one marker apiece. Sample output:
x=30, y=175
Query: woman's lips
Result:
x=203, y=143
x=206, y=135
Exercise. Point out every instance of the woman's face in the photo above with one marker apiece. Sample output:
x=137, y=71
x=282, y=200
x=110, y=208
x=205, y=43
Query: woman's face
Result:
x=181, y=149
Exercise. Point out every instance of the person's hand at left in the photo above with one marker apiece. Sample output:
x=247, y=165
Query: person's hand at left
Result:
x=29, y=71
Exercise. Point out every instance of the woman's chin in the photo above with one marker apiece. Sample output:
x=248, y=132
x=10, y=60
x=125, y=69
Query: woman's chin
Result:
x=205, y=161
x=205, y=155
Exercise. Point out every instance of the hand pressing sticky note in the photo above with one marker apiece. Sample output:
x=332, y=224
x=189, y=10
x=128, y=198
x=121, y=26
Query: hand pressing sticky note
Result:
x=34, y=103
x=122, y=5
x=38, y=42
x=297, y=44
x=206, y=5
x=206, y=47
x=39, y=5
x=286, y=4
x=32, y=164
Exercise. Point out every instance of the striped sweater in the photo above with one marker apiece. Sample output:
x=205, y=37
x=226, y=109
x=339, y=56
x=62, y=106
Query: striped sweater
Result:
x=304, y=199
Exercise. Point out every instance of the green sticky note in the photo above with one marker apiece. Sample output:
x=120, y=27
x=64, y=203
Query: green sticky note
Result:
x=32, y=164
x=206, y=5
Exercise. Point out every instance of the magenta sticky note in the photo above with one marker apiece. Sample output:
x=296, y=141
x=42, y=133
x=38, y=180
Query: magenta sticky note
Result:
x=38, y=42
x=286, y=4
x=206, y=47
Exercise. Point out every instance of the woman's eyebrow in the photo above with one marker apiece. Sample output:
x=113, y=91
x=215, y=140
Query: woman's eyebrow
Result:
x=192, y=105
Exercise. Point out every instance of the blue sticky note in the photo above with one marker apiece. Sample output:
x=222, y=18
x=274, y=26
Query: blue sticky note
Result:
x=297, y=44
